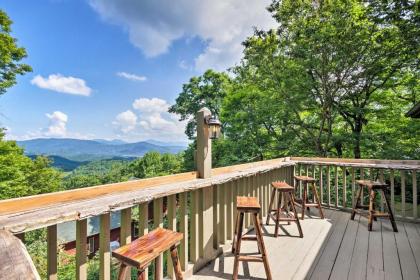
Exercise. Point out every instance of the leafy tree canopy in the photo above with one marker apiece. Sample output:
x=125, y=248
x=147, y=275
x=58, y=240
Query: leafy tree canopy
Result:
x=10, y=55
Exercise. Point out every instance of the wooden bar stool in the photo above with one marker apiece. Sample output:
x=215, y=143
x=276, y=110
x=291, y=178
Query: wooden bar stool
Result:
x=248, y=205
x=372, y=214
x=304, y=202
x=288, y=194
x=142, y=251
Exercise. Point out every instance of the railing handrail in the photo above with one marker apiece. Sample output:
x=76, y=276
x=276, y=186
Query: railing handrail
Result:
x=39, y=211
x=368, y=163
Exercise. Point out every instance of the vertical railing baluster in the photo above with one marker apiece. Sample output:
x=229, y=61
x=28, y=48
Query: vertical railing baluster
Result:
x=81, y=249
x=158, y=222
x=329, y=185
x=362, y=177
x=392, y=180
x=344, y=187
x=104, y=247
x=183, y=227
x=321, y=184
x=222, y=211
x=144, y=225
x=195, y=207
x=414, y=180
x=381, y=179
x=171, y=206
x=353, y=186
x=229, y=210
x=125, y=231
x=52, y=252
x=402, y=174
x=216, y=217
x=336, y=185
x=300, y=182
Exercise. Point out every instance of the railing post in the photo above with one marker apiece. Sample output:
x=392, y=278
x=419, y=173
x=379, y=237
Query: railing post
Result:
x=414, y=180
x=158, y=222
x=125, y=232
x=204, y=171
x=195, y=210
x=81, y=258
x=52, y=252
x=144, y=225
x=171, y=206
x=183, y=224
x=402, y=175
x=104, y=247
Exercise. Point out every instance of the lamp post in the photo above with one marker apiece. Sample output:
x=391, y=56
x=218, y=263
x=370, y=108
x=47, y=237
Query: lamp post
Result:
x=208, y=127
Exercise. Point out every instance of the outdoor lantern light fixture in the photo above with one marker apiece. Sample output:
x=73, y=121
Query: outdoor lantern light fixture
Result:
x=214, y=126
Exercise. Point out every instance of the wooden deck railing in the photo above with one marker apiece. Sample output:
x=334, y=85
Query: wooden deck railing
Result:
x=337, y=181
x=202, y=209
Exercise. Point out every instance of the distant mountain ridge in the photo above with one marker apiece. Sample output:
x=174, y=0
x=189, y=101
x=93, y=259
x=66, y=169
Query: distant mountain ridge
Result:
x=88, y=150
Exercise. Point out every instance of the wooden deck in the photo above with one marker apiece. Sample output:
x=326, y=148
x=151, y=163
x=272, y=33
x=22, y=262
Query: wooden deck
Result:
x=334, y=248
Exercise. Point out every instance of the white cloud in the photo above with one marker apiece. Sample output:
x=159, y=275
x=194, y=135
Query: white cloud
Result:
x=126, y=121
x=153, y=105
x=152, y=121
x=223, y=25
x=60, y=83
x=132, y=77
x=57, y=126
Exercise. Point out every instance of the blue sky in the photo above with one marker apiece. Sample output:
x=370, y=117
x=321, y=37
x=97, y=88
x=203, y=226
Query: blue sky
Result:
x=109, y=69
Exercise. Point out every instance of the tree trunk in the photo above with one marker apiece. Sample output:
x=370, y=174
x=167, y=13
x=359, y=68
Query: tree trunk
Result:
x=357, y=136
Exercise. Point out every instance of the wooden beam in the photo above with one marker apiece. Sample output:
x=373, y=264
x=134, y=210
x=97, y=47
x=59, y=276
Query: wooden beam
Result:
x=183, y=227
x=158, y=222
x=104, y=247
x=81, y=249
x=52, y=213
x=144, y=224
x=171, y=206
x=414, y=180
x=52, y=252
x=195, y=210
x=125, y=232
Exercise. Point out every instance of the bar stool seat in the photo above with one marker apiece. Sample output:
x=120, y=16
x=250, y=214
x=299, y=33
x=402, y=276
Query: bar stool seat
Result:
x=283, y=214
x=305, y=179
x=372, y=214
x=248, y=205
x=142, y=251
x=304, y=202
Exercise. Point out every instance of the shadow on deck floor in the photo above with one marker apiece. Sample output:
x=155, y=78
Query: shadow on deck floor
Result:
x=333, y=248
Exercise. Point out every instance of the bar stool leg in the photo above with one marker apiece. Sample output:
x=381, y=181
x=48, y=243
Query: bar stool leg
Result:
x=260, y=241
x=276, y=230
x=316, y=197
x=356, y=203
x=391, y=214
x=235, y=233
x=176, y=264
x=238, y=246
x=270, y=206
x=292, y=199
x=123, y=271
x=371, y=201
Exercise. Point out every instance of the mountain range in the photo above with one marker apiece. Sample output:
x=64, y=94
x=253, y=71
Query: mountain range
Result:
x=88, y=150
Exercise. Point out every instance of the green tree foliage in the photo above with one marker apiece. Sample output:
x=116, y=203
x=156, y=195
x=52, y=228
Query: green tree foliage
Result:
x=10, y=55
x=334, y=79
x=207, y=90
x=154, y=164
x=22, y=176
x=97, y=173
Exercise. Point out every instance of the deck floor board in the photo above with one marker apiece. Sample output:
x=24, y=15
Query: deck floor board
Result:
x=333, y=248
